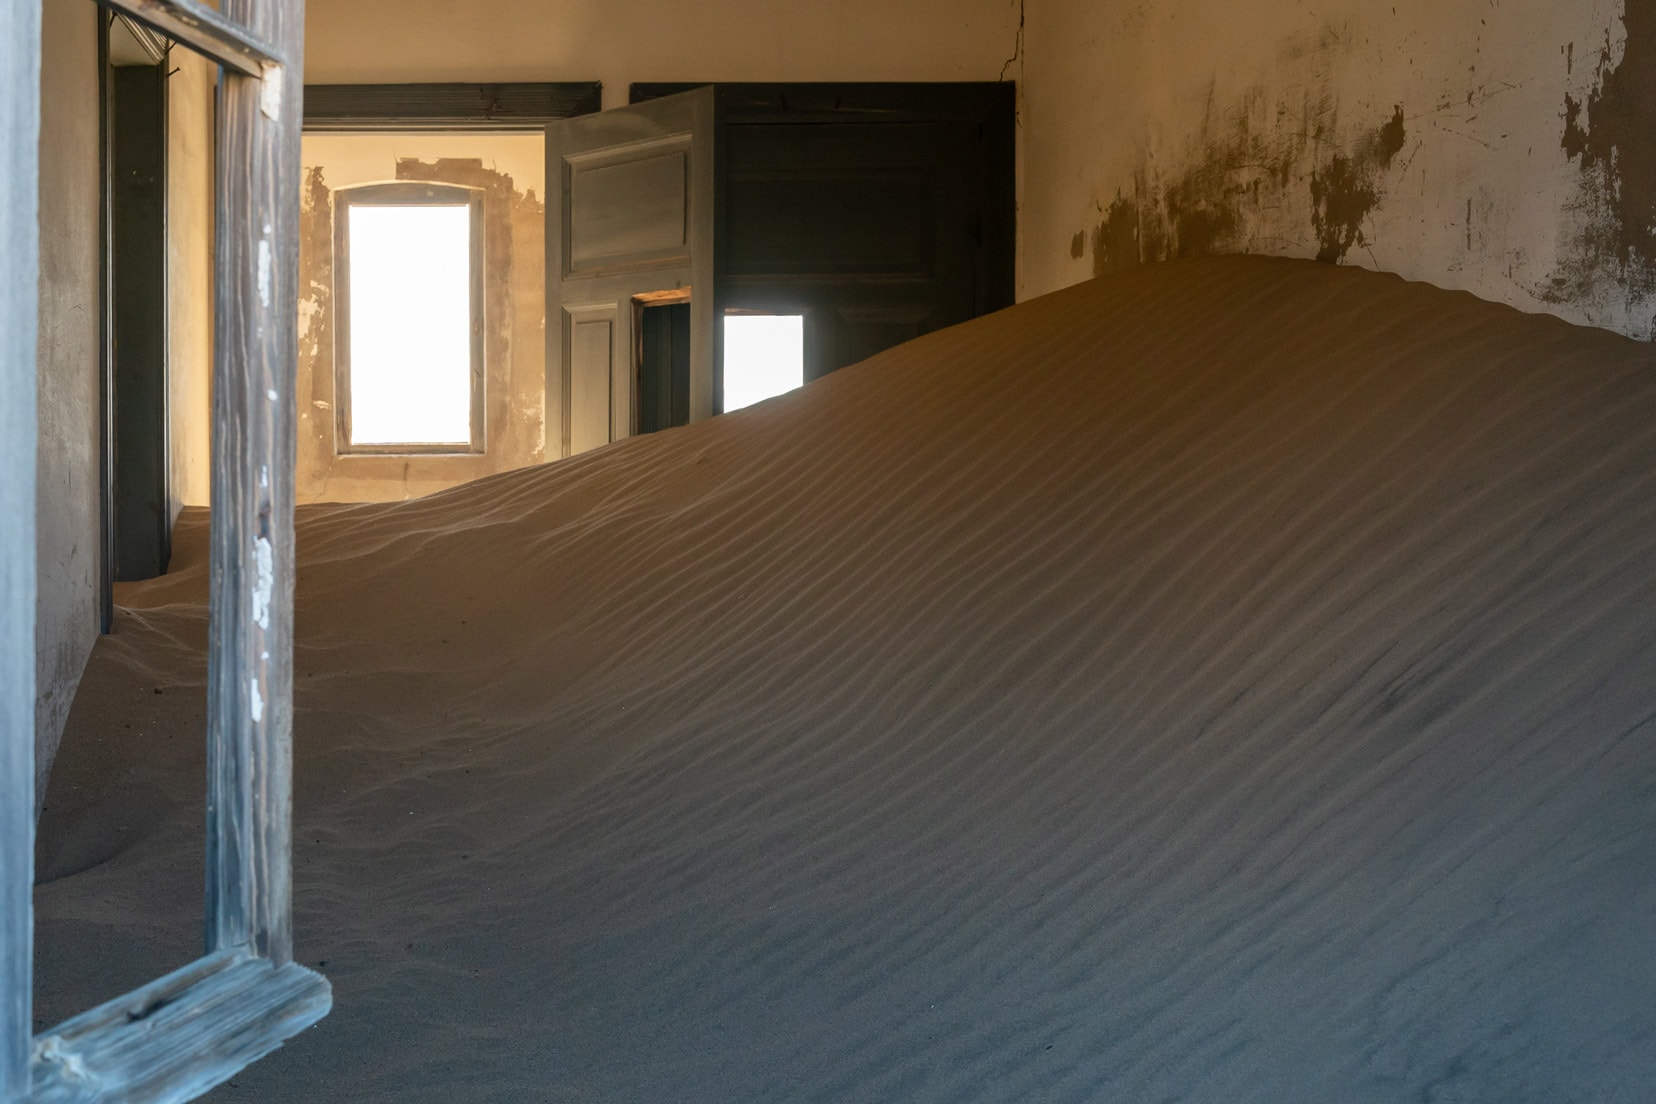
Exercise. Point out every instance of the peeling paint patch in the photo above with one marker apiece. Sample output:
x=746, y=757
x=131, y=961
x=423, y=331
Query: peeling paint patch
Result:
x=264, y=272
x=264, y=584
x=1240, y=164
x=1612, y=135
x=1344, y=192
x=1115, y=241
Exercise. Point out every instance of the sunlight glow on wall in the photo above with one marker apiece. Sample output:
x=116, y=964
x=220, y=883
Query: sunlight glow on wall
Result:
x=764, y=355
x=410, y=302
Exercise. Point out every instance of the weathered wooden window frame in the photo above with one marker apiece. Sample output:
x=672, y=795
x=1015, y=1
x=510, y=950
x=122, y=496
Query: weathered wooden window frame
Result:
x=177, y=1037
x=407, y=193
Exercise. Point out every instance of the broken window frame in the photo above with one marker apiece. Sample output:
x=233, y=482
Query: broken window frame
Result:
x=406, y=193
x=175, y=1038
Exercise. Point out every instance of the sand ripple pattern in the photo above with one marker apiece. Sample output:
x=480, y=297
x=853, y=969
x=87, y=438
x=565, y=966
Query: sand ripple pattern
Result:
x=1230, y=682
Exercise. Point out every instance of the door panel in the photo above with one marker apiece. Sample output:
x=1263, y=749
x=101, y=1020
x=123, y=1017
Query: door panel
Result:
x=856, y=331
x=628, y=208
x=591, y=376
x=634, y=217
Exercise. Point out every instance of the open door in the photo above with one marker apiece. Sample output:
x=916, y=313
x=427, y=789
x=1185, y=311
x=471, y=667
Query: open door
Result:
x=632, y=219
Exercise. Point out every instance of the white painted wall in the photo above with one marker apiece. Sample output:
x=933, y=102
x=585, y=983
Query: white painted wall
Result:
x=67, y=479
x=621, y=41
x=1206, y=124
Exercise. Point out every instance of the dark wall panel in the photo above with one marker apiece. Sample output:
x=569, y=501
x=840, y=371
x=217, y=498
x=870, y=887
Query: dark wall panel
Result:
x=138, y=229
x=879, y=211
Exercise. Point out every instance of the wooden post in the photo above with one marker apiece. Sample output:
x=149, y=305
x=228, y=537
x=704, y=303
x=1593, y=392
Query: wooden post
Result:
x=19, y=290
x=250, y=656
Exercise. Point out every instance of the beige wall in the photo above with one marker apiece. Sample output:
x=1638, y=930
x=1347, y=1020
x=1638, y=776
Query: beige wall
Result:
x=1428, y=137
x=510, y=169
x=620, y=41
x=70, y=533
x=189, y=272
x=67, y=511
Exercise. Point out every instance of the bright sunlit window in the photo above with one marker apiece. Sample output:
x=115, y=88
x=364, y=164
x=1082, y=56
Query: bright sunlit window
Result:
x=764, y=355
x=410, y=373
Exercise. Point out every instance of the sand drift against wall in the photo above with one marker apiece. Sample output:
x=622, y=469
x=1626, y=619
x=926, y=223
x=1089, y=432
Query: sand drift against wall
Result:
x=1229, y=681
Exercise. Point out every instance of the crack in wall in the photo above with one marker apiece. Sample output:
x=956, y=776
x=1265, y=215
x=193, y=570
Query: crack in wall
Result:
x=1017, y=43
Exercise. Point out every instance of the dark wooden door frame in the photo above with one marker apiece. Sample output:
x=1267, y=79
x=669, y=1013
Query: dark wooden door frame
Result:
x=140, y=238
x=989, y=107
x=391, y=107
x=990, y=104
x=141, y=495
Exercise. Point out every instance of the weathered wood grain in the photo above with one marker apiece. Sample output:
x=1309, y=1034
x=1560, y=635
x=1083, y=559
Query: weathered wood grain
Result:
x=19, y=251
x=250, y=661
x=241, y=48
x=179, y=1036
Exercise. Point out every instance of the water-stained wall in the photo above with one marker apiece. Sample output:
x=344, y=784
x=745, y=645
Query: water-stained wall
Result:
x=1506, y=147
x=510, y=171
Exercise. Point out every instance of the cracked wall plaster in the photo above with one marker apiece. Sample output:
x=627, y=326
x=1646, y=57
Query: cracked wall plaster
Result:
x=1505, y=147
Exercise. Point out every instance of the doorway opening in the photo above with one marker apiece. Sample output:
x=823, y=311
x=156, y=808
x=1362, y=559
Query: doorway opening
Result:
x=764, y=356
x=662, y=356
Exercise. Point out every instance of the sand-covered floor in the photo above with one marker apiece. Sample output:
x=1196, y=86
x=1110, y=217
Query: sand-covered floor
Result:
x=1231, y=682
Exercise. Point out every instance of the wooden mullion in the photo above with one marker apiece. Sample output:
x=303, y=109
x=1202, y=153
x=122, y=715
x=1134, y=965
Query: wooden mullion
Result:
x=240, y=46
x=250, y=659
x=19, y=276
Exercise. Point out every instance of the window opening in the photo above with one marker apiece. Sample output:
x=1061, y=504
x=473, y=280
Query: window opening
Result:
x=409, y=284
x=764, y=356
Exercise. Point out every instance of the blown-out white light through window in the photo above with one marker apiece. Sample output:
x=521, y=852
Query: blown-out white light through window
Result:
x=764, y=355
x=410, y=303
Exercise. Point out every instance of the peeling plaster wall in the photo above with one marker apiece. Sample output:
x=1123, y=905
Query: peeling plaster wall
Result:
x=621, y=41
x=67, y=480
x=190, y=200
x=1506, y=147
x=511, y=171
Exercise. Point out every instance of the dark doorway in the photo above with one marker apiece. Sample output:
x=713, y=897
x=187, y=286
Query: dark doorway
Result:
x=663, y=366
x=139, y=503
x=855, y=216
x=879, y=212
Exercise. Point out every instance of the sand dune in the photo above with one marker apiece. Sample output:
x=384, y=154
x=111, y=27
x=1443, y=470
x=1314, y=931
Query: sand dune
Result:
x=1228, y=682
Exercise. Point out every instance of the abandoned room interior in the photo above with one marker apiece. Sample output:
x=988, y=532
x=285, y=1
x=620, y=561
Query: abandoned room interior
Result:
x=763, y=550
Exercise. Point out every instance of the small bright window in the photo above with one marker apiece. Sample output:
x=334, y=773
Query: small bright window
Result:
x=408, y=280
x=764, y=355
